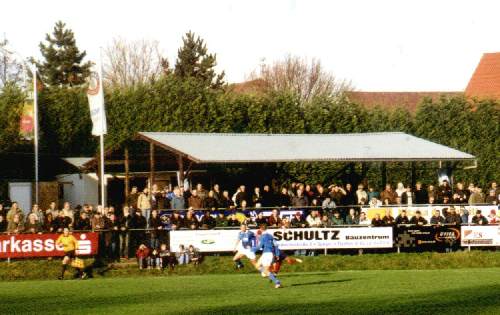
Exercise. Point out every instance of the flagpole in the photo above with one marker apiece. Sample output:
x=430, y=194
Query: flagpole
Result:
x=103, y=179
x=35, y=109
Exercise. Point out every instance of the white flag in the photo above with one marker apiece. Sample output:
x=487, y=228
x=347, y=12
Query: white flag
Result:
x=95, y=95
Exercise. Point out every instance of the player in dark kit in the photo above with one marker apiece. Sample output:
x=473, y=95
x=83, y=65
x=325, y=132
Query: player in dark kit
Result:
x=279, y=258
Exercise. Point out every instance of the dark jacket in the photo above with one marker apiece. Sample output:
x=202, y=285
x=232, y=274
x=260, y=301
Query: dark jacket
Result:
x=421, y=197
x=418, y=221
x=437, y=220
x=402, y=220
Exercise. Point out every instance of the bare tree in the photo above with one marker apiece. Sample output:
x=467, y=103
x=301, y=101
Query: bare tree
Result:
x=306, y=78
x=10, y=68
x=128, y=63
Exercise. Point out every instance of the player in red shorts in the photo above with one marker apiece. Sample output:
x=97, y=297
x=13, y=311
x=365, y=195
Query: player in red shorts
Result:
x=282, y=257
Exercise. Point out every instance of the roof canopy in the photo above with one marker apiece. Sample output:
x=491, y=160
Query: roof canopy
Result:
x=260, y=148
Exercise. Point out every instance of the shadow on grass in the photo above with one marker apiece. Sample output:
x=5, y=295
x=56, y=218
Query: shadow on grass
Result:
x=320, y=282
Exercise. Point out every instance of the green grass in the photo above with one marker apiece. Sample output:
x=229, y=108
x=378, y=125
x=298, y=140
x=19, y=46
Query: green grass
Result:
x=464, y=291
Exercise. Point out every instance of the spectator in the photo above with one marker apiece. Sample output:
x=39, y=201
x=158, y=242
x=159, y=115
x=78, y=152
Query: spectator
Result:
x=61, y=222
x=322, y=194
x=337, y=220
x=182, y=255
x=460, y=195
x=492, y=217
x=114, y=235
x=284, y=199
x=142, y=255
x=402, y=218
x=178, y=202
x=431, y=193
x=240, y=196
x=349, y=197
x=154, y=259
x=3, y=224
x=257, y=198
x=144, y=203
x=220, y=220
x=232, y=220
x=298, y=221
x=32, y=225
x=125, y=225
x=83, y=222
x=190, y=220
x=453, y=217
x=260, y=219
x=445, y=190
x=372, y=193
x=194, y=255
x=14, y=209
x=421, y=195
x=225, y=201
x=436, y=218
x=138, y=236
x=49, y=224
x=217, y=193
x=352, y=218
x=156, y=232
x=400, y=189
x=35, y=210
x=388, y=194
x=52, y=210
x=417, y=219
x=267, y=197
x=15, y=225
x=211, y=202
x=375, y=203
x=299, y=201
x=177, y=221
x=325, y=220
x=195, y=201
x=157, y=198
x=479, y=218
x=328, y=203
x=207, y=221
x=68, y=212
x=131, y=200
x=492, y=197
x=202, y=193
x=408, y=197
x=167, y=258
x=464, y=215
x=361, y=195
x=363, y=220
x=337, y=193
x=476, y=197
x=313, y=219
x=388, y=218
x=377, y=220
x=274, y=219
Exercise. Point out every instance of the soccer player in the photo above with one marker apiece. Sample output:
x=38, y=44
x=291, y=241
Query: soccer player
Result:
x=279, y=258
x=70, y=245
x=269, y=250
x=245, y=247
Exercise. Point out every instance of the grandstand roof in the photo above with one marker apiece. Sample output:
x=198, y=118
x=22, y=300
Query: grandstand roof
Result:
x=261, y=148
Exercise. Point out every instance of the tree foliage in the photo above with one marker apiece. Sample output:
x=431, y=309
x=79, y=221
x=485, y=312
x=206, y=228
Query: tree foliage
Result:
x=11, y=105
x=62, y=63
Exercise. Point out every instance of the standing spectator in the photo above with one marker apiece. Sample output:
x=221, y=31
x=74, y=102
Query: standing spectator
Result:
x=372, y=193
x=202, y=193
x=257, y=198
x=361, y=195
x=476, y=196
x=14, y=209
x=195, y=201
x=61, y=222
x=260, y=219
x=139, y=224
x=328, y=204
x=479, y=218
x=432, y=194
x=225, y=201
x=114, y=244
x=491, y=198
x=402, y=218
x=211, y=202
x=131, y=200
x=182, y=255
x=408, y=197
x=417, y=219
x=363, y=220
x=421, y=195
x=194, y=255
x=83, y=222
x=68, y=212
x=176, y=221
x=156, y=227
x=125, y=224
x=32, y=225
x=3, y=224
x=349, y=197
x=207, y=221
x=388, y=218
x=299, y=201
x=15, y=225
x=464, y=215
x=217, y=193
x=274, y=219
x=190, y=220
x=178, y=202
x=142, y=255
x=375, y=203
x=157, y=198
x=284, y=199
x=144, y=203
x=377, y=220
x=388, y=194
x=325, y=220
x=240, y=196
x=400, y=189
x=352, y=218
x=267, y=197
x=49, y=224
x=436, y=218
x=460, y=195
x=444, y=190
x=52, y=209
x=35, y=210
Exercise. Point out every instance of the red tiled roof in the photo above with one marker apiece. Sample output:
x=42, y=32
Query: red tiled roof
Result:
x=485, y=81
x=408, y=100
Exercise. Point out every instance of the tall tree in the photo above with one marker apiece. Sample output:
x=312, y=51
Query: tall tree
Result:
x=63, y=62
x=10, y=67
x=193, y=60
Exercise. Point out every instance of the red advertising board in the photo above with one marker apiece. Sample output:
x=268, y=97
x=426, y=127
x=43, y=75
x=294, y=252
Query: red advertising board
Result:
x=44, y=245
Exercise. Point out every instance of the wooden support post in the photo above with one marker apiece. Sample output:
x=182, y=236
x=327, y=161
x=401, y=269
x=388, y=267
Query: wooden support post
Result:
x=151, y=165
x=383, y=170
x=127, y=174
x=99, y=179
x=413, y=174
x=180, y=165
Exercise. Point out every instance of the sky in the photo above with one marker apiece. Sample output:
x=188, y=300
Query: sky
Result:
x=403, y=45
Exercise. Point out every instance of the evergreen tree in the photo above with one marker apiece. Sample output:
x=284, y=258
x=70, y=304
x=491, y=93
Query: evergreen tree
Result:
x=194, y=61
x=63, y=60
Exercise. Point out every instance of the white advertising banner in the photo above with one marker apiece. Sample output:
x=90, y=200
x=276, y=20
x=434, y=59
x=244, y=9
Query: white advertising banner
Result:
x=289, y=239
x=481, y=235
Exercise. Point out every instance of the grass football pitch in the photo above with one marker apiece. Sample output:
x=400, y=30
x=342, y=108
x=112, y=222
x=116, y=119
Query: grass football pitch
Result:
x=458, y=291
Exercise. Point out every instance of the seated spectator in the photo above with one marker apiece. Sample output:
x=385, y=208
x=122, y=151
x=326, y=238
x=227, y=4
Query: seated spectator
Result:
x=313, y=219
x=274, y=219
x=190, y=220
x=260, y=219
x=207, y=221
x=232, y=220
x=453, y=217
x=194, y=255
x=352, y=218
x=182, y=255
x=436, y=218
x=142, y=255
x=298, y=220
x=492, y=217
x=337, y=220
x=220, y=220
x=285, y=223
x=33, y=226
x=417, y=219
x=14, y=209
x=479, y=218
x=177, y=220
x=328, y=203
x=464, y=215
x=49, y=223
x=15, y=225
x=3, y=224
x=167, y=259
x=402, y=218
x=388, y=218
x=154, y=259
x=326, y=221
x=35, y=210
x=377, y=220
x=375, y=203
x=363, y=220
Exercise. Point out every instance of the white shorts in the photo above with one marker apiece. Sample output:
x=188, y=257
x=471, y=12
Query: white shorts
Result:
x=247, y=252
x=266, y=259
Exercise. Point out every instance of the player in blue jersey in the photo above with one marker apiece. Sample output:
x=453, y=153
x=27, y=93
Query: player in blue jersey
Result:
x=269, y=250
x=245, y=247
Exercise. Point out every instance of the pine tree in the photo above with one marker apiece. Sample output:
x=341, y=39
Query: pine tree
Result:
x=63, y=60
x=194, y=61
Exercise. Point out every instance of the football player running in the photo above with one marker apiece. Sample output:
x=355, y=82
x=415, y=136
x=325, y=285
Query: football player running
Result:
x=245, y=247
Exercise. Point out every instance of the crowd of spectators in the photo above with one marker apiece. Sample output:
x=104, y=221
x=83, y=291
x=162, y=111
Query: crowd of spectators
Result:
x=139, y=221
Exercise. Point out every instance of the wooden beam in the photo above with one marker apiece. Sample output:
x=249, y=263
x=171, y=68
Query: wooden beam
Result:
x=151, y=164
x=180, y=165
x=127, y=174
x=413, y=174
